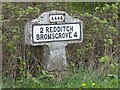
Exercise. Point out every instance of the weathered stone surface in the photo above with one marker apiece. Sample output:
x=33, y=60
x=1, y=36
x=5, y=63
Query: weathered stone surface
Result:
x=55, y=57
x=54, y=52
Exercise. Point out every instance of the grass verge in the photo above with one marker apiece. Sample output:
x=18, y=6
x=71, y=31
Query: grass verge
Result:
x=82, y=78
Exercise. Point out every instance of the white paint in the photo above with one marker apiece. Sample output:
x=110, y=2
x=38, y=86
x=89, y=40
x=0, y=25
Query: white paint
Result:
x=57, y=32
x=56, y=18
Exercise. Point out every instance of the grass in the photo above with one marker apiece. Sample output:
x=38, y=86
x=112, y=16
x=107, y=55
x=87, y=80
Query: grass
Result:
x=82, y=78
x=0, y=81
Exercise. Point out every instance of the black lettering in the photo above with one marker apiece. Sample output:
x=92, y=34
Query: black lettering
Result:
x=61, y=18
x=41, y=30
x=58, y=29
x=55, y=18
x=71, y=28
x=56, y=36
x=63, y=35
x=47, y=29
x=70, y=36
x=41, y=36
x=51, y=29
x=64, y=28
x=37, y=37
x=67, y=28
x=54, y=29
x=49, y=36
x=75, y=35
x=53, y=36
x=58, y=18
x=45, y=36
x=60, y=36
x=52, y=18
x=66, y=35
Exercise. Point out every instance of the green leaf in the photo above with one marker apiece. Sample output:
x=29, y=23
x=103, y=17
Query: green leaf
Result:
x=110, y=41
x=104, y=59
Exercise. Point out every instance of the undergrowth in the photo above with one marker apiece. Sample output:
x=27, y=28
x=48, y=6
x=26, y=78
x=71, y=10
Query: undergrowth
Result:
x=81, y=78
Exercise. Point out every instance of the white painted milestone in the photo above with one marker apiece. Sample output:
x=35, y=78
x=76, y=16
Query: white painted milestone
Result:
x=56, y=32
